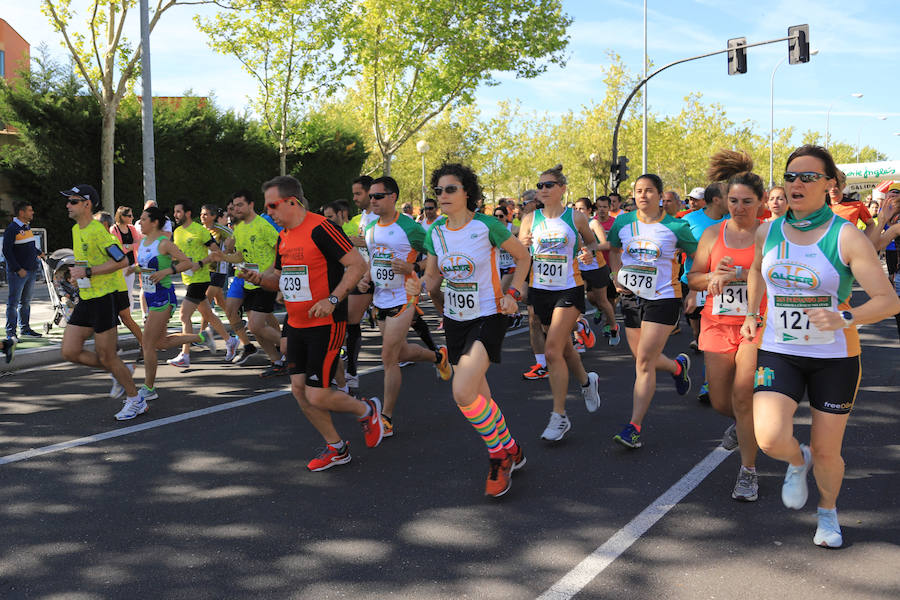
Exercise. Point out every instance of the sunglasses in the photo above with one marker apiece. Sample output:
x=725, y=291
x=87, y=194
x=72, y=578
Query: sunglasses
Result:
x=379, y=195
x=499, y=216
x=546, y=184
x=74, y=201
x=450, y=189
x=127, y=215
x=430, y=208
x=274, y=205
x=805, y=176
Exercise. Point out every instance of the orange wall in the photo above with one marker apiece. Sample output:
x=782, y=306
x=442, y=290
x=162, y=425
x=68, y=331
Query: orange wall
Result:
x=16, y=51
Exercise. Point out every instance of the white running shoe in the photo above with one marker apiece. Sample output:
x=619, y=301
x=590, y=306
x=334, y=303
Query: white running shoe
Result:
x=180, y=361
x=231, y=346
x=591, y=392
x=795, y=490
x=210, y=339
x=828, y=532
x=147, y=393
x=117, y=388
x=132, y=408
x=558, y=426
x=352, y=380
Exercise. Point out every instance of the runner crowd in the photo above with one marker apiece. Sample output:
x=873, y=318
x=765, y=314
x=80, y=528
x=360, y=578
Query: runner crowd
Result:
x=763, y=279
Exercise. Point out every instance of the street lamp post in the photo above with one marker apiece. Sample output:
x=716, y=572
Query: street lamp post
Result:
x=856, y=95
x=772, y=118
x=422, y=147
x=593, y=158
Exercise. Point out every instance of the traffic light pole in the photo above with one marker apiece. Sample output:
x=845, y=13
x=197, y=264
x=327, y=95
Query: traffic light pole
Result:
x=614, y=184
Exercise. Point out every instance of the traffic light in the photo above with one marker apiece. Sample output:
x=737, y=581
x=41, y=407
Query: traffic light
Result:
x=737, y=56
x=618, y=172
x=798, y=45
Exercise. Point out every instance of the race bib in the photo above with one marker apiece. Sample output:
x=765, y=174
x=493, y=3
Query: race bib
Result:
x=248, y=267
x=640, y=279
x=701, y=298
x=85, y=282
x=146, y=283
x=506, y=259
x=294, y=283
x=461, y=301
x=732, y=300
x=550, y=270
x=792, y=325
x=383, y=274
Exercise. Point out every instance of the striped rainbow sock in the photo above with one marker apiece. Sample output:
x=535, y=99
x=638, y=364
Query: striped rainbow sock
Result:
x=486, y=418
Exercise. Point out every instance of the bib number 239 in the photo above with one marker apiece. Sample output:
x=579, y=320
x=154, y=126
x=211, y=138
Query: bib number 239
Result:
x=294, y=283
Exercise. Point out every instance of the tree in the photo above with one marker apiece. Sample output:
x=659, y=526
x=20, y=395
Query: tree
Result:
x=100, y=55
x=289, y=48
x=415, y=59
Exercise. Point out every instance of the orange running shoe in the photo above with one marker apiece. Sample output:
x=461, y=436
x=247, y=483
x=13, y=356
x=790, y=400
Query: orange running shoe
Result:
x=499, y=480
x=444, y=369
x=387, y=426
x=584, y=333
x=330, y=457
x=536, y=371
x=371, y=423
x=518, y=459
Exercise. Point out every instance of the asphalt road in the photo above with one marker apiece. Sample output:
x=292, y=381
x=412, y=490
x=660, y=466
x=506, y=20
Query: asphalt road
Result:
x=219, y=504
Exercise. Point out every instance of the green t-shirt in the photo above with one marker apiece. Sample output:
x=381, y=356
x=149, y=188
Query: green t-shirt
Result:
x=257, y=241
x=89, y=246
x=194, y=241
x=351, y=227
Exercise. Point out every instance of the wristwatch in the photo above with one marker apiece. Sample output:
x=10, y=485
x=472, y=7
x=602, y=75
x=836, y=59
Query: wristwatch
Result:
x=333, y=299
x=847, y=318
x=88, y=272
x=516, y=294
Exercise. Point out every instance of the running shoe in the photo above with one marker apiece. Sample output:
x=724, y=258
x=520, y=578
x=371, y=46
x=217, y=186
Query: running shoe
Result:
x=828, y=532
x=516, y=320
x=330, y=457
x=518, y=458
x=443, y=368
x=557, y=427
x=612, y=335
x=372, y=427
x=598, y=318
x=591, y=392
x=579, y=347
x=795, y=491
x=180, y=361
x=629, y=437
x=132, y=408
x=9, y=349
x=387, y=426
x=231, y=346
x=683, y=379
x=584, y=333
x=352, y=380
x=694, y=346
x=117, y=388
x=537, y=371
x=746, y=488
x=210, y=339
x=31, y=333
x=703, y=396
x=729, y=438
x=246, y=353
x=147, y=393
x=500, y=476
x=274, y=370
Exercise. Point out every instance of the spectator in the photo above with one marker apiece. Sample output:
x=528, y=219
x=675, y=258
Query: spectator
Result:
x=21, y=254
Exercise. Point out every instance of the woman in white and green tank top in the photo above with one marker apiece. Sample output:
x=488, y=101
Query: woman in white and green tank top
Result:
x=555, y=235
x=806, y=262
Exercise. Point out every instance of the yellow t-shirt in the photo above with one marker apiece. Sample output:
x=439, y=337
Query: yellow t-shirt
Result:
x=89, y=245
x=192, y=239
x=257, y=241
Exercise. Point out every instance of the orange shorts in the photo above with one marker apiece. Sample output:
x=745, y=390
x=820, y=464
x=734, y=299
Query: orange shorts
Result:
x=724, y=338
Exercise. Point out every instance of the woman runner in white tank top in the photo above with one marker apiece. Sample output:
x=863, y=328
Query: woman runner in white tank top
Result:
x=556, y=292
x=806, y=262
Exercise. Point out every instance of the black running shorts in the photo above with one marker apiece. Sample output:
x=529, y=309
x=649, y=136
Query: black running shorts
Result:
x=315, y=351
x=829, y=383
x=545, y=301
x=461, y=335
x=99, y=314
x=636, y=310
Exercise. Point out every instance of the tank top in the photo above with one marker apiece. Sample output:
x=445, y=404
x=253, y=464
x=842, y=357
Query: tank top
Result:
x=800, y=277
x=730, y=307
x=150, y=261
x=554, y=243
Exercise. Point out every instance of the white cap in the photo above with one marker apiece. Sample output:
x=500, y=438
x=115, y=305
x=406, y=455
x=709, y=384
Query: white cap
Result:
x=698, y=193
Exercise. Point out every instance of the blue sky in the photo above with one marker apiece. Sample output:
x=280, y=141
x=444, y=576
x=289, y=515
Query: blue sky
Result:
x=857, y=43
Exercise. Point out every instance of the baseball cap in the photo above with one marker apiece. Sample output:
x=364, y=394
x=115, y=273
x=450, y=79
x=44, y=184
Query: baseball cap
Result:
x=698, y=193
x=893, y=186
x=84, y=190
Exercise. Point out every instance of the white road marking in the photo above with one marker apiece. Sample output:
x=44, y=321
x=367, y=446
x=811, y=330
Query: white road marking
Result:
x=595, y=563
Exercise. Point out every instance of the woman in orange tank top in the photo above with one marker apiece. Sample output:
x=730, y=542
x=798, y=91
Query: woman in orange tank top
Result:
x=724, y=256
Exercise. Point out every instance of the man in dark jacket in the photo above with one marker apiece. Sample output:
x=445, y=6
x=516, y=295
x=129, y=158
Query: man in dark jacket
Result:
x=21, y=254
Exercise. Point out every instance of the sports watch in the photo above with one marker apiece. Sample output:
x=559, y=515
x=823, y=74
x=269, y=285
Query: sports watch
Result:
x=333, y=299
x=847, y=318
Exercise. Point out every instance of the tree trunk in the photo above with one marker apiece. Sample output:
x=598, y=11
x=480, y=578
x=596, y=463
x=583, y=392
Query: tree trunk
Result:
x=386, y=164
x=282, y=157
x=107, y=157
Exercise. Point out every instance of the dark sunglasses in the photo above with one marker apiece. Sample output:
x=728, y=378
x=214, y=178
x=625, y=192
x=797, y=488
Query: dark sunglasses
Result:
x=450, y=189
x=379, y=195
x=805, y=176
x=274, y=205
x=430, y=208
x=500, y=215
x=74, y=201
x=127, y=215
x=546, y=184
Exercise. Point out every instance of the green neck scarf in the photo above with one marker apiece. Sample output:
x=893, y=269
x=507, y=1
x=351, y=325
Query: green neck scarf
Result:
x=814, y=220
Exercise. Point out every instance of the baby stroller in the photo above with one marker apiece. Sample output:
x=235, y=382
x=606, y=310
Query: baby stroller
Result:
x=61, y=285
